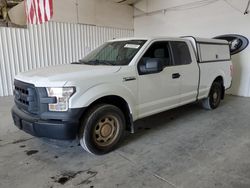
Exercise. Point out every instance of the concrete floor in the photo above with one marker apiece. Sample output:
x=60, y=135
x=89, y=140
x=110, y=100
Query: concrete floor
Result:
x=187, y=147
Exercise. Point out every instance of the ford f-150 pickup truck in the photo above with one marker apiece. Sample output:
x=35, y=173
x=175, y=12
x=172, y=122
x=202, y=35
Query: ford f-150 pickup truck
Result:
x=99, y=97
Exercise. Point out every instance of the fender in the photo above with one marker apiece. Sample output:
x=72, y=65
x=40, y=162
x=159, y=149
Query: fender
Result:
x=206, y=84
x=220, y=73
x=105, y=89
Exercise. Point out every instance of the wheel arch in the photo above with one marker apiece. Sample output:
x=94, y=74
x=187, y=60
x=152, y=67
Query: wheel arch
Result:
x=119, y=102
x=220, y=80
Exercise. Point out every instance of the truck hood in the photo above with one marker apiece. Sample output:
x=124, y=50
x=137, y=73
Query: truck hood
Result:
x=57, y=76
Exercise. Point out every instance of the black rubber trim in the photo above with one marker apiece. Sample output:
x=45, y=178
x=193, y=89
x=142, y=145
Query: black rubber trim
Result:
x=215, y=61
x=53, y=125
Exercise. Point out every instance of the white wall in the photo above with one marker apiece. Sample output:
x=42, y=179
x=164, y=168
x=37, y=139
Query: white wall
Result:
x=94, y=12
x=48, y=44
x=208, y=21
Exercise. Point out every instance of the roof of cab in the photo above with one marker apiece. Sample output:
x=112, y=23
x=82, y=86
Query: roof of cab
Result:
x=197, y=39
x=143, y=38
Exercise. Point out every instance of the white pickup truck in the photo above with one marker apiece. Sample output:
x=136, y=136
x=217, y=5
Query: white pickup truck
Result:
x=99, y=97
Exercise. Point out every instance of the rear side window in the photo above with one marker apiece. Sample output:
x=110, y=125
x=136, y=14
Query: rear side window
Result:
x=181, y=53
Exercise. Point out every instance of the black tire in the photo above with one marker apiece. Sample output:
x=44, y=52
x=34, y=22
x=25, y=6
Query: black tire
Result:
x=102, y=128
x=214, y=97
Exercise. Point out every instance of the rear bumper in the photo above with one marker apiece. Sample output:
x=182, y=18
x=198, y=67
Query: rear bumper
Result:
x=63, y=129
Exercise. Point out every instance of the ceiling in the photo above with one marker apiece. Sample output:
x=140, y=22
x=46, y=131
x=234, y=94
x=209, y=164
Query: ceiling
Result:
x=129, y=2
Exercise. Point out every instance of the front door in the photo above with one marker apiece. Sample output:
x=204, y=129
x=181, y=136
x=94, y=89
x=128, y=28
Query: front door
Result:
x=158, y=91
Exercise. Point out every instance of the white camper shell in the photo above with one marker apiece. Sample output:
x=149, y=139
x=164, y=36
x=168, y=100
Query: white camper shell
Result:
x=210, y=50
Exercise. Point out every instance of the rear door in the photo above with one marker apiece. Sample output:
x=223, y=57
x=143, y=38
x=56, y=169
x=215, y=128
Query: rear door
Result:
x=184, y=58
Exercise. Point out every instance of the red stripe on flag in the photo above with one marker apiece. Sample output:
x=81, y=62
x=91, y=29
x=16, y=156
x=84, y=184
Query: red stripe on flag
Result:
x=32, y=13
x=37, y=12
x=45, y=16
x=51, y=8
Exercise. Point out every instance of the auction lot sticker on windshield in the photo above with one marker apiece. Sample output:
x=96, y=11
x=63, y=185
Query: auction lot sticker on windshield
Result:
x=134, y=46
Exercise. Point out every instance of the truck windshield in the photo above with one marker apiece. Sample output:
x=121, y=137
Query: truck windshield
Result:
x=113, y=53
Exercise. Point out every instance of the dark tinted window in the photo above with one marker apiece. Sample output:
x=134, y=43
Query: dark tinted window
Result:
x=181, y=53
x=159, y=50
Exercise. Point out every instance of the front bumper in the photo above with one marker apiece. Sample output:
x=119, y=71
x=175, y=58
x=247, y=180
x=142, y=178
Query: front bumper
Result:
x=53, y=125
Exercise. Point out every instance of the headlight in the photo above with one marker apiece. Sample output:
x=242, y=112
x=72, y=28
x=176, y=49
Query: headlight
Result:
x=62, y=96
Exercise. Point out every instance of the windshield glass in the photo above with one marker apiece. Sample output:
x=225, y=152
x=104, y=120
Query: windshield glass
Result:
x=114, y=53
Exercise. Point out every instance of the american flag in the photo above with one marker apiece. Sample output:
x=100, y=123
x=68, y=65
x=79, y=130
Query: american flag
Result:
x=38, y=11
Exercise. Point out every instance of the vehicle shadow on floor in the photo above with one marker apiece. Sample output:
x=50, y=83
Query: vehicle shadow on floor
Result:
x=168, y=119
x=163, y=120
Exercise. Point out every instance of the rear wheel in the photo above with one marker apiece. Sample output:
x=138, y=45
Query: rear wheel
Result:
x=214, y=97
x=102, y=128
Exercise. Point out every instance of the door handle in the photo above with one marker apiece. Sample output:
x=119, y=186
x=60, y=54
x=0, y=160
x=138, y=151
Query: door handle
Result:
x=126, y=79
x=176, y=75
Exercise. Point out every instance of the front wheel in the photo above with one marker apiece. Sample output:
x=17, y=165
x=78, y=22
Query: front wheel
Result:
x=214, y=97
x=101, y=129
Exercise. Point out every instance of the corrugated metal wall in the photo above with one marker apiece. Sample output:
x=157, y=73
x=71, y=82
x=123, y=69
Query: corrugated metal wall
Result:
x=48, y=44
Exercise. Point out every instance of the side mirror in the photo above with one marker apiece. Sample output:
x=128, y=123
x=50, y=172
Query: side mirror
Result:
x=150, y=66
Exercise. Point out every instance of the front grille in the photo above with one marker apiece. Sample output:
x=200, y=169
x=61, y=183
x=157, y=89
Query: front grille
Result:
x=22, y=95
x=26, y=97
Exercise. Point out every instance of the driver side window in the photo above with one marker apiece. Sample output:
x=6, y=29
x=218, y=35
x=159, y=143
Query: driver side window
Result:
x=158, y=50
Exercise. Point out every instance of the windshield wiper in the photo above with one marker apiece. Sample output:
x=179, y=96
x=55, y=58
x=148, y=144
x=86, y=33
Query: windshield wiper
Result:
x=106, y=63
x=93, y=62
x=81, y=62
x=100, y=62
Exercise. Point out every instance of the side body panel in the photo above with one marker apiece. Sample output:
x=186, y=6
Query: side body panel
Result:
x=210, y=71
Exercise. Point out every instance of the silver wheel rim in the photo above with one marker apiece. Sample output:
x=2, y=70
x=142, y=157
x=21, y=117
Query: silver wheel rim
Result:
x=215, y=96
